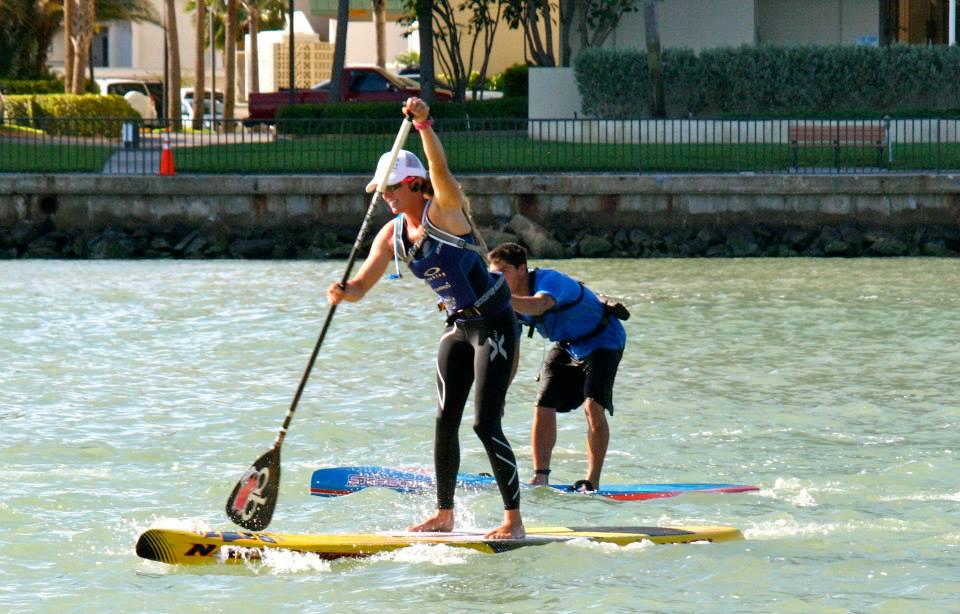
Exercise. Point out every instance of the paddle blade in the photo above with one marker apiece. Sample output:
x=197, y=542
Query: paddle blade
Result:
x=253, y=498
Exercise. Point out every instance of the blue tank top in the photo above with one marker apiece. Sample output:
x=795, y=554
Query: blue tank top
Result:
x=451, y=265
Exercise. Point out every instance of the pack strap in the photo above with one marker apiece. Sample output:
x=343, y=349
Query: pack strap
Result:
x=449, y=238
x=556, y=308
x=430, y=231
x=604, y=321
x=399, y=251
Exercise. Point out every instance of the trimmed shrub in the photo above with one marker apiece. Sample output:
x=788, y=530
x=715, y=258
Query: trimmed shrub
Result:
x=21, y=107
x=383, y=117
x=765, y=80
x=92, y=115
x=514, y=81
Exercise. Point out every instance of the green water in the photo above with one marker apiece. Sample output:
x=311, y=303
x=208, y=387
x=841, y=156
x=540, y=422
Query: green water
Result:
x=134, y=394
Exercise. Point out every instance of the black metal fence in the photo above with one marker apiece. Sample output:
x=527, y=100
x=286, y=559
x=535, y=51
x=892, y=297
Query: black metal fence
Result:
x=340, y=146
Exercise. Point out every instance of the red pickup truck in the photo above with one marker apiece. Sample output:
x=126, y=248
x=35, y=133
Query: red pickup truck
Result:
x=361, y=83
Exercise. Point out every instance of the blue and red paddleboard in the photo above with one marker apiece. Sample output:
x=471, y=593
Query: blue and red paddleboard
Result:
x=338, y=481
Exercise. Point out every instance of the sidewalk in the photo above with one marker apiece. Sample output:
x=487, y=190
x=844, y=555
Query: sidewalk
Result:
x=145, y=158
x=133, y=162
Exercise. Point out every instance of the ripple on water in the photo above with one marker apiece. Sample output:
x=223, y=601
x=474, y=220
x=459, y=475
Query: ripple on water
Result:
x=136, y=393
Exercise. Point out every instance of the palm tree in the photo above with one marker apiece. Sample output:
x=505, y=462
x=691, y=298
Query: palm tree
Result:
x=68, y=9
x=18, y=50
x=380, y=26
x=424, y=10
x=83, y=25
x=173, y=59
x=255, y=15
x=652, y=31
x=254, y=11
x=28, y=28
x=339, y=52
x=127, y=10
x=230, y=64
x=199, y=104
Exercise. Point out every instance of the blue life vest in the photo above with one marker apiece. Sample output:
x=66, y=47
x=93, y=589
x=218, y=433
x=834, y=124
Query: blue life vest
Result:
x=578, y=321
x=453, y=267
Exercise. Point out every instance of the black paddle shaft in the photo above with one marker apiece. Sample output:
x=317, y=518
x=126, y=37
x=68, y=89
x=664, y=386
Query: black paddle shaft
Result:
x=326, y=323
x=253, y=499
x=401, y=137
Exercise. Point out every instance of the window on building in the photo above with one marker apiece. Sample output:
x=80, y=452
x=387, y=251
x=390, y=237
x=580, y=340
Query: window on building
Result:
x=915, y=22
x=100, y=48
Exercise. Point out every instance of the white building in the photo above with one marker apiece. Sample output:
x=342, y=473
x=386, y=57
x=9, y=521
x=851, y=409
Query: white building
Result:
x=125, y=49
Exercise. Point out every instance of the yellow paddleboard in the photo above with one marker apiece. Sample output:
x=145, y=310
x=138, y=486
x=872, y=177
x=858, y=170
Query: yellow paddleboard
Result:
x=179, y=547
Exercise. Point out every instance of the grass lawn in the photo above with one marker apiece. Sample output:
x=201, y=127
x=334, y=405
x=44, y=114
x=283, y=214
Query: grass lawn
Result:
x=25, y=157
x=481, y=153
x=518, y=154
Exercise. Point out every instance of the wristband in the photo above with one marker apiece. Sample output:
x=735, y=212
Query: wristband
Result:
x=418, y=126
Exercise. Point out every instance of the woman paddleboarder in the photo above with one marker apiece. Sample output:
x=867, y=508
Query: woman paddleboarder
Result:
x=434, y=234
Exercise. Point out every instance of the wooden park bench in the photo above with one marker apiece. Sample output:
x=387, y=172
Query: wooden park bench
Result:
x=836, y=135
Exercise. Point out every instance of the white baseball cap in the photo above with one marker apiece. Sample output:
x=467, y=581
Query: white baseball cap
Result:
x=408, y=165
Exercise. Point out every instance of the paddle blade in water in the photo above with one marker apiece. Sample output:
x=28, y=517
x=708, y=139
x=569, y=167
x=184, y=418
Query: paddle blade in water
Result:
x=253, y=498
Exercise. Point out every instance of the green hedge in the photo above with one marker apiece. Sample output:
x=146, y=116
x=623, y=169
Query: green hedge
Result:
x=41, y=86
x=514, y=81
x=383, y=117
x=766, y=80
x=69, y=114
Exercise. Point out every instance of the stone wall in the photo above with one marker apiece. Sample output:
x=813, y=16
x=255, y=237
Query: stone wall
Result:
x=80, y=216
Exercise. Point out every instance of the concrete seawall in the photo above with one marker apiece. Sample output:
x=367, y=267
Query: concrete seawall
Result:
x=95, y=216
x=94, y=202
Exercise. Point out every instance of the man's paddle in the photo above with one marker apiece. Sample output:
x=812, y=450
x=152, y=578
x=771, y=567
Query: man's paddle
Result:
x=253, y=498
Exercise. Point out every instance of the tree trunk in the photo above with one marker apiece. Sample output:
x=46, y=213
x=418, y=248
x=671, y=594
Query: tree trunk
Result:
x=173, y=58
x=90, y=64
x=380, y=26
x=83, y=33
x=539, y=43
x=230, y=66
x=652, y=32
x=551, y=58
x=425, y=26
x=69, y=7
x=199, y=68
x=254, y=83
x=447, y=48
x=568, y=9
x=488, y=26
x=339, y=52
x=41, y=32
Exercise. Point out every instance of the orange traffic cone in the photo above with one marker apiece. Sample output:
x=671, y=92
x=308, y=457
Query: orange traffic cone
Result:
x=166, y=157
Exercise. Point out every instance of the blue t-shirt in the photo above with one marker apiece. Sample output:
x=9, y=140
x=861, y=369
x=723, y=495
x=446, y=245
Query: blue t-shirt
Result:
x=576, y=314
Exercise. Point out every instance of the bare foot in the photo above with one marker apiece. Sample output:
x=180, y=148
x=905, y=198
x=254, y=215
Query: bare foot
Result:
x=442, y=521
x=512, y=527
x=539, y=480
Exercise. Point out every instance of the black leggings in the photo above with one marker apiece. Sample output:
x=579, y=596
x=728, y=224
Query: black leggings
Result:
x=482, y=350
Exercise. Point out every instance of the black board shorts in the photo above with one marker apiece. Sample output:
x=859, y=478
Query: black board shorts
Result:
x=565, y=382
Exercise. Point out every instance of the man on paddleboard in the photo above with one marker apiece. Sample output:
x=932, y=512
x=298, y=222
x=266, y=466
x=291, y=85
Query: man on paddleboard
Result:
x=434, y=234
x=580, y=369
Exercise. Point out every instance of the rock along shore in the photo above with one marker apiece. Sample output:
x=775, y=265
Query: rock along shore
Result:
x=43, y=240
